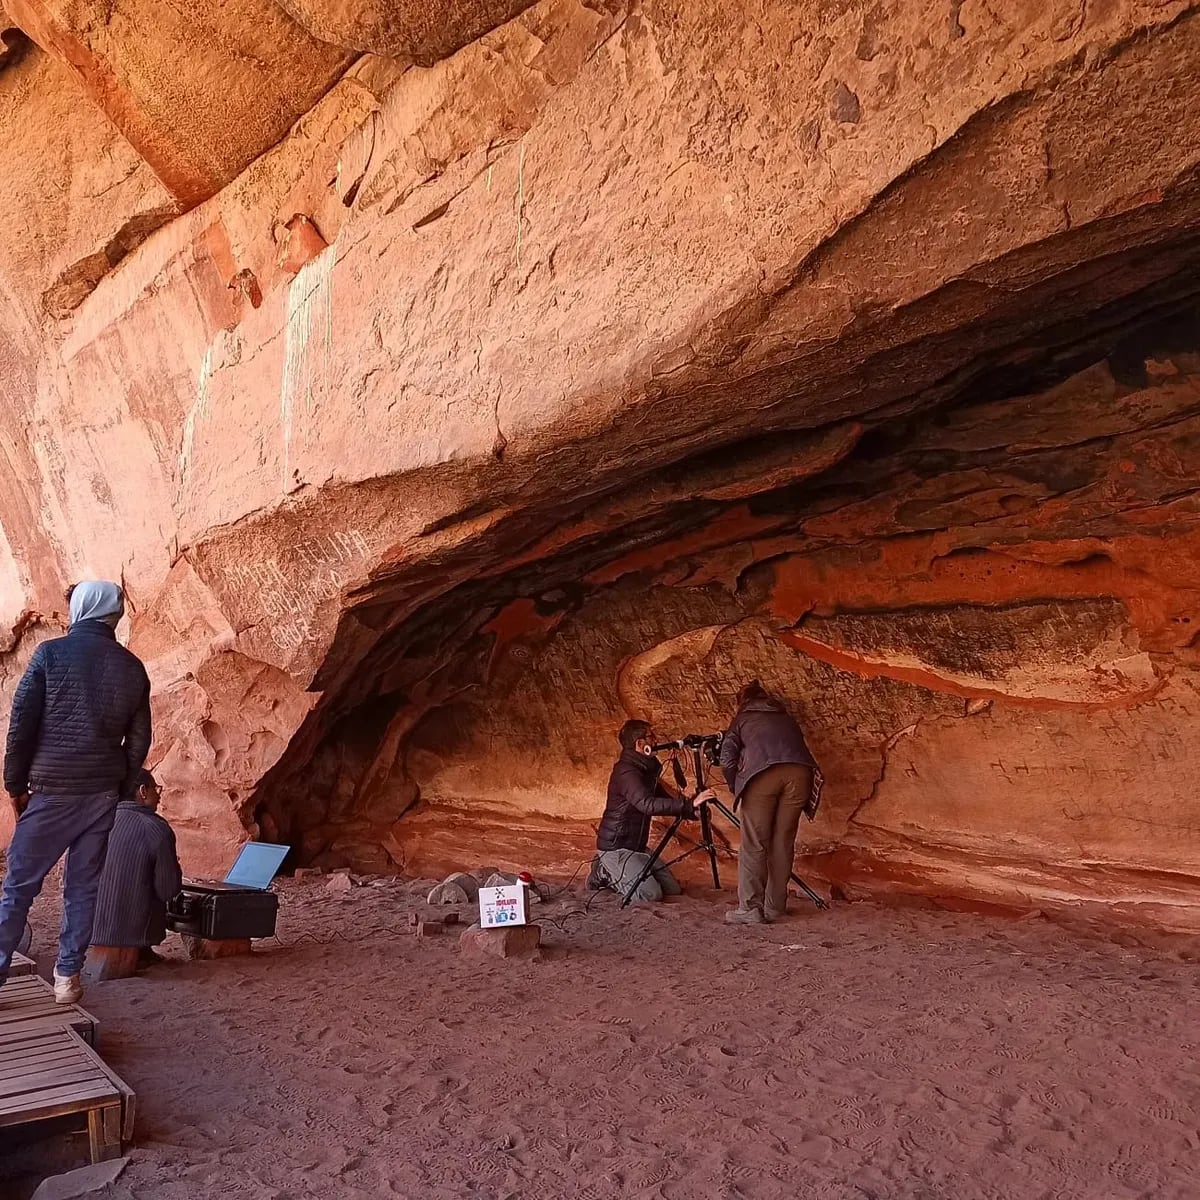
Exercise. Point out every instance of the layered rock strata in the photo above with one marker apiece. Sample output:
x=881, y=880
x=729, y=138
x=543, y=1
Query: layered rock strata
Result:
x=628, y=352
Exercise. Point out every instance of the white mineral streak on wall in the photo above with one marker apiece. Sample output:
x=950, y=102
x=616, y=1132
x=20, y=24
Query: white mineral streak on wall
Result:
x=309, y=311
x=14, y=587
x=197, y=412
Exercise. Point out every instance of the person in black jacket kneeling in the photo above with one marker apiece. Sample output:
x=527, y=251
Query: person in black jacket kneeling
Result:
x=79, y=735
x=635, y=795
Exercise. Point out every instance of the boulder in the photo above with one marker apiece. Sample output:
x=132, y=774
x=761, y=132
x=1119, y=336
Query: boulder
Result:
x=468, y=883
x=81, y=1182
x=199, y=94
x=448, y=893
x=515, y=941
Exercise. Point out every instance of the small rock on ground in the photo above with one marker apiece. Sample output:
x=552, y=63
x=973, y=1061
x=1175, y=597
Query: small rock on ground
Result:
x=80, y=1182
x=468, y=883
x=448, y=893
x=517, y=941
x=500, y=879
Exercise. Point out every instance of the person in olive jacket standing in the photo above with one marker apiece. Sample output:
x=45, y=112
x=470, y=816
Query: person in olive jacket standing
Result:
x=771, y=773
x=79, y=735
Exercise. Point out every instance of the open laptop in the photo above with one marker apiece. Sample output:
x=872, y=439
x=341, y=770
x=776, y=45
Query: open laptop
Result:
x=252, y=870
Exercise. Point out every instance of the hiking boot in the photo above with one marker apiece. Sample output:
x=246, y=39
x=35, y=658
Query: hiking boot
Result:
x=67, y=989
x=770, y=914
x=744, y=916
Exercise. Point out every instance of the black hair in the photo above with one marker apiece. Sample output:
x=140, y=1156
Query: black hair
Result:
x=751, y=691
x=632, y=732
x=145, y=779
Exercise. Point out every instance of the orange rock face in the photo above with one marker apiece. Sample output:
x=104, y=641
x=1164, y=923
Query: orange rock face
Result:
x=410, y=30
x=623, y=355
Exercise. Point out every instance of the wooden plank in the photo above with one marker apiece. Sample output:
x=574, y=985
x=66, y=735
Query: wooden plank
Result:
x=128, y=1098
x=104, y=1133
x=11, y=1051
x=35, y=1106
x=21, y=965
x=31, y=1000
x=46, y=1024
x=10, y=1068
x=56, y=1076
x=33, y=989
x=14, y=1051
x=27, y=985
x=14, y=1065
x=24, y=1039
x=15, y=997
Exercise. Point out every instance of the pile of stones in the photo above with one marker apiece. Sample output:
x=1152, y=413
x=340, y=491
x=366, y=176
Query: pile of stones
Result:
x=521, y=941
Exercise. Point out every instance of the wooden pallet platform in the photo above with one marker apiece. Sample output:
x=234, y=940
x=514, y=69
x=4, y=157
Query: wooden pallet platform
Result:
x=27, y=1005
x=55, y=1073
x=21, y=966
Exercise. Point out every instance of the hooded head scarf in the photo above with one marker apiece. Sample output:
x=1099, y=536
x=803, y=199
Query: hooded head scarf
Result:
x=97, y=600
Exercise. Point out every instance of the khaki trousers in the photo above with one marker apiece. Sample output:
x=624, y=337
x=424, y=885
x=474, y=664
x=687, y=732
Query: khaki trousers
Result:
x=771, y=807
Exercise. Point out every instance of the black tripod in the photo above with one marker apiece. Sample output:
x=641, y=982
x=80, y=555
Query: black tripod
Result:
x=706, y=843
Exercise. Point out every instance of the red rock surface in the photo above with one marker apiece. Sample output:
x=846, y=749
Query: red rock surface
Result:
x=200, y=91
x=412, y=30
x=652, y=349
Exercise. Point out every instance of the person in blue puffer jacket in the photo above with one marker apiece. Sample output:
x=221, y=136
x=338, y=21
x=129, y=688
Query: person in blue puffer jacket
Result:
x=79, y=735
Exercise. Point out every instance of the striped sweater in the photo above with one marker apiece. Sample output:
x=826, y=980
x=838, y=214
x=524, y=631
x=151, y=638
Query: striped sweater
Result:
x=141, y=873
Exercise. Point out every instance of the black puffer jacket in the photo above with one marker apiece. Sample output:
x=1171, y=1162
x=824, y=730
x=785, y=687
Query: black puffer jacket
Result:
x=80, y=717
x=763, y=734
x=635, y=794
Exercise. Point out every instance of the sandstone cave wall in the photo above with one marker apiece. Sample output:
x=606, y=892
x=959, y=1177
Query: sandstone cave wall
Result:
x=988, y=632
x=611, y=280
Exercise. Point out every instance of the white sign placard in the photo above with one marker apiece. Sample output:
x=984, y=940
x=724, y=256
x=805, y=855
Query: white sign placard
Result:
x=502, y=906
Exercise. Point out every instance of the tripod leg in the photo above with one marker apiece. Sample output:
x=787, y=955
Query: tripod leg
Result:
x=709, y=846
x=794, y=877
x=648, y=869
x=808, y=891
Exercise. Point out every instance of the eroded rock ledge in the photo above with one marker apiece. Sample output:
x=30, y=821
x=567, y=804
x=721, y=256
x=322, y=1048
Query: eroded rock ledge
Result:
x=626, y=353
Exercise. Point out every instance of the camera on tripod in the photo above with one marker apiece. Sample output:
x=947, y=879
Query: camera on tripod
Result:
x=704, y=750
x=709, y=745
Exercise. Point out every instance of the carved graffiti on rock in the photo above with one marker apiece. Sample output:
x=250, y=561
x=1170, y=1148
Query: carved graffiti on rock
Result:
x=290, y=591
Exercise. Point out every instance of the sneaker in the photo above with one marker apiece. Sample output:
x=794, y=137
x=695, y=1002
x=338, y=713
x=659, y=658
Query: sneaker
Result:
x=744, y=916
x=67, y=989
x=769, y=915
x=597, y=881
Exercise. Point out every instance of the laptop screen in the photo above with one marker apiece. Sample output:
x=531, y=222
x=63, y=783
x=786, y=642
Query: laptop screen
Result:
x=256, y=865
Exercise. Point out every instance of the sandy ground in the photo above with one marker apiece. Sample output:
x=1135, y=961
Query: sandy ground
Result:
x=865, y=1052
